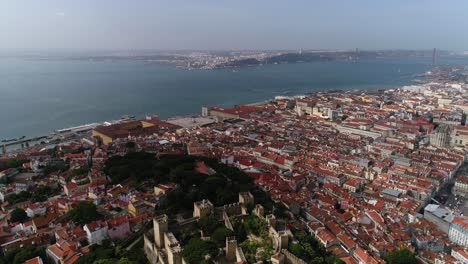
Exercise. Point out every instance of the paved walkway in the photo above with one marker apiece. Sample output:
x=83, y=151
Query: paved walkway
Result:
x=133, y=244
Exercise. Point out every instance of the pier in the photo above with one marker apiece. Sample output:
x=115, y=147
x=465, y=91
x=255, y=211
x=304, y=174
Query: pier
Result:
x=17, y=142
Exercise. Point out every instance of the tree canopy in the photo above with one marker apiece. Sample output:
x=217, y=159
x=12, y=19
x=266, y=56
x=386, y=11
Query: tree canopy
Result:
x=18, y=198
x=84, y=213
x=220, y=234
x=196, y=250
x=114, y=261
x=80, y=171
x=255, y=225
x=20, y=255
x=138, y=165
x=130, y=144
x=18, y=215
x=311, y=250
x=107, y=253
x=208, y=224
x=12, y=163
x=220, y=188
x=402, y=256
x=42, y=193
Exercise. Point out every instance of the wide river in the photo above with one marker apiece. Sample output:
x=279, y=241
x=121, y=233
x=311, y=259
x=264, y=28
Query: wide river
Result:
x=40, y=96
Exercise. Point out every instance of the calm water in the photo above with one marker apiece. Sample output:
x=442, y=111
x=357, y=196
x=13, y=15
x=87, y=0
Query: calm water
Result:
x=37, y=97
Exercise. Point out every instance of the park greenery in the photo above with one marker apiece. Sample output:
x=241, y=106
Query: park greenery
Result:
x=309, y=249
x=208, y=224
x=18, y=215
x=255, y=225
x=196, y=250
x=220, y=188
x=18, y=198
x=21, y=254
x=130, y=145
x=84, y=213
x=107, y=253
x=252, y=235
x=12, y=163
x=44, y=192
x=257, y=250
x=114, y=261
x=402, y=256
x=54, y=168
x=80, y=171
x=41, y=194
x=220, y=234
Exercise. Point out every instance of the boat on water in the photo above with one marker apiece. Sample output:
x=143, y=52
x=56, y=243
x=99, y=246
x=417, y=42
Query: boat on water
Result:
x=124, y=117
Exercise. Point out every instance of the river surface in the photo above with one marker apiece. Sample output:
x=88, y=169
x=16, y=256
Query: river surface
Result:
x=40, y=96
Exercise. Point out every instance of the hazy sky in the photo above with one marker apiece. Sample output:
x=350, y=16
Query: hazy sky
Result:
x=234, y=24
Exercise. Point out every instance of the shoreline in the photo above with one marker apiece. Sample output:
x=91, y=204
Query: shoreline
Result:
x=170, y=107
x=76, y=129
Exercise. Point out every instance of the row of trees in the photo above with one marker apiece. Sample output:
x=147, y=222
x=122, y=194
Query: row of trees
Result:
x=12, y=163
x=84, y=213
x=402, y=256
x=109, y=254
x=20, y=255
x=41, y=194
x=19, y=198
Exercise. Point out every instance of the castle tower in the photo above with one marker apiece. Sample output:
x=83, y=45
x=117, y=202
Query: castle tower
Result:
x=202, y=208
x=174, y=255
x=283, y=240
x=231, y=246
x=271, y=220
x=160, y=226
x=278, y=258
x=173, y=249
x=259, y=210
x=246, y=198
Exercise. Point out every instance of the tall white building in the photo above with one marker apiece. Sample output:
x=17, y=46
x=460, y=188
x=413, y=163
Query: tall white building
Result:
x=461, y=185
x=460, y=254
x=96, y=232
x=458, y=232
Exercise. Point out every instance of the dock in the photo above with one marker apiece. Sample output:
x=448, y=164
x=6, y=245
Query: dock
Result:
x=6, y=144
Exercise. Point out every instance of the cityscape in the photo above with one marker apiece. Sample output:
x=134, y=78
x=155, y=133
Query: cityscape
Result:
x=233, y=132
x=212, y=60
x=340, y=176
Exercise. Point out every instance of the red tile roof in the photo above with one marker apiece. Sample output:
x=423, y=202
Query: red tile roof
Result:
x=461, y=221
x=35, y=260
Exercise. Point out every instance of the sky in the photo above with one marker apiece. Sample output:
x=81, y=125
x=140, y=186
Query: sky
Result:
x=233, y=24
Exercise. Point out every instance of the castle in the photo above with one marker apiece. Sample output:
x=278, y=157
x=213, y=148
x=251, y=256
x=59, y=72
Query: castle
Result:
x=161, y=245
